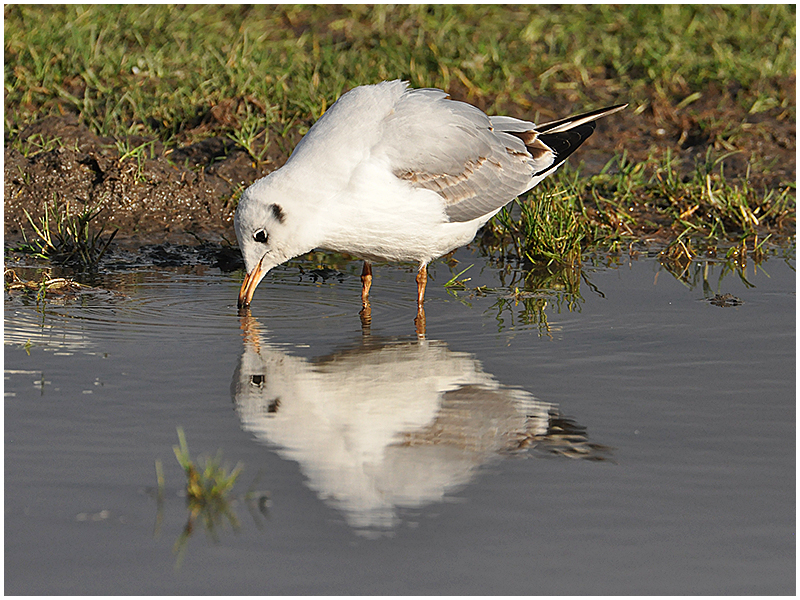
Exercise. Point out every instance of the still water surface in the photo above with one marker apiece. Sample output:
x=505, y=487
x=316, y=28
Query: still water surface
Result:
x=642, y=442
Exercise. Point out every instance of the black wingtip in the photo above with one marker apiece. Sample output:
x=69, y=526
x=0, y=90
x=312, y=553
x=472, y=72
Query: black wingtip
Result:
x=571, y=133
x=565, y=143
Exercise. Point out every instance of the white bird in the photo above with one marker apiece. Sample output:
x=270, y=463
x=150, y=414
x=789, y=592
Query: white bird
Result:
x=396, y=174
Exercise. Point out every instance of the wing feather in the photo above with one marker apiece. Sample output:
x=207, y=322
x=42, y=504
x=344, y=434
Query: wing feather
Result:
x=476, y=163
x=453, y=149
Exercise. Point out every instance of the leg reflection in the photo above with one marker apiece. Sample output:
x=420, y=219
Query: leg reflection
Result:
x=419, y=322
x=366, y=318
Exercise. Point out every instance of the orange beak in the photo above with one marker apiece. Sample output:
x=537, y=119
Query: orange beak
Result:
x=249, y=285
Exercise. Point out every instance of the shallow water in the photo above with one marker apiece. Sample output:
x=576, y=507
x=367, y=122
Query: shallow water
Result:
x=642, y=442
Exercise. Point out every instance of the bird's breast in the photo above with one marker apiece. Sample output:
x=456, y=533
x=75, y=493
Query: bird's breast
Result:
x=379, y=217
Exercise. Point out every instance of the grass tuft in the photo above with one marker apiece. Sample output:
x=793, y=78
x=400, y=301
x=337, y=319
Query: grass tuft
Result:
x=66, y=238
x=208, y=485
x=566, y=215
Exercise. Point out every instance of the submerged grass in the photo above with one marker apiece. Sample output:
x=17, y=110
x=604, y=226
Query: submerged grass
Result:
x=58, y=286
x=530, y=296
x=209, y=501
x=208, y=485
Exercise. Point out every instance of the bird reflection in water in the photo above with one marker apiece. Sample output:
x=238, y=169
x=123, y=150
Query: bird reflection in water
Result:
x=390, y=424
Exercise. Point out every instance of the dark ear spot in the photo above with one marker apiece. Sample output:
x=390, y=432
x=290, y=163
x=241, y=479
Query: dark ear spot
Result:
x=278, y=213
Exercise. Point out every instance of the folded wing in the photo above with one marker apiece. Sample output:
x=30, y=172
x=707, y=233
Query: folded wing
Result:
x=476, y=163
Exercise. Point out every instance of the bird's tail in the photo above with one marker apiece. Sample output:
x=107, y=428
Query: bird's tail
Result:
x=564, y=136
x=578, y=120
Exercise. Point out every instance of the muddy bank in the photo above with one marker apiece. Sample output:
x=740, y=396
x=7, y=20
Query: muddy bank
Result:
x=176, y=195
x=187, y=194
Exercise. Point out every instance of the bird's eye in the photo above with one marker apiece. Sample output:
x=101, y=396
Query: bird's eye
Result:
x=261, y=236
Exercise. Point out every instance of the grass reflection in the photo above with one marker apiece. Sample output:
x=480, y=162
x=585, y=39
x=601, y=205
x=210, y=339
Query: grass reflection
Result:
x=529, y=291
x=708, y=272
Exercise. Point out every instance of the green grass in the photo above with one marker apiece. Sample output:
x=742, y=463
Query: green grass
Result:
x=700, y=199
x=67, y=238
x=263, y=74
x=208, y=485
x=158, y=70
x=209, y=501
x=568, y=214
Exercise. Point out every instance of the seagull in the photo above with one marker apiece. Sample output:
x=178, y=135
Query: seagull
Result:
x=392, y=173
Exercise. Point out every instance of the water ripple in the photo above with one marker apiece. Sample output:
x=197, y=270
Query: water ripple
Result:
x=144, y=305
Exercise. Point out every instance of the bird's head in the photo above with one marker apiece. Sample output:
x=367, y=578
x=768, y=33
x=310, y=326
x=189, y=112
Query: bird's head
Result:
x=265, y=234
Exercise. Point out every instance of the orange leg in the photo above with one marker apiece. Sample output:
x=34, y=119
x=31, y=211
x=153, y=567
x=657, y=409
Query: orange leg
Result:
x=422, y=280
